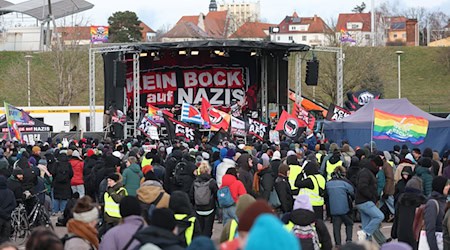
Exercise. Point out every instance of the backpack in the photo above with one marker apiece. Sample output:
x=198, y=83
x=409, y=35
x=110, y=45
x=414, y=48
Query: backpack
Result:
x=202, y=193
x=307, y=236
x=179, y=170
x=153, y=205
x=68, y=237
x=224, y=197
x=62, y=174
x=90, y=180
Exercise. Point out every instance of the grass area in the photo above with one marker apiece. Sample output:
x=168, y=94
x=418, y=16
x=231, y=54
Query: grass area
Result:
x=425, y=75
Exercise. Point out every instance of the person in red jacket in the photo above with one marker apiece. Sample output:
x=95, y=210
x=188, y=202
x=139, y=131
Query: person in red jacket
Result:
x=236, y=189
x=77, y=182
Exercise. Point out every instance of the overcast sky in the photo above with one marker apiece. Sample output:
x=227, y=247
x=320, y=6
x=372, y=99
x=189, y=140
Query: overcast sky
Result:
x=157, y=13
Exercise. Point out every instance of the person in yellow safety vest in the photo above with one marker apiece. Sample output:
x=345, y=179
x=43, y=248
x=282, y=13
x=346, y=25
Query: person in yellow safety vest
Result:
x=229, y=231
x=187, y=223
x=113, y=195
x=295, y=170
x=312, y=183
x=147, y=159
x=334, y=162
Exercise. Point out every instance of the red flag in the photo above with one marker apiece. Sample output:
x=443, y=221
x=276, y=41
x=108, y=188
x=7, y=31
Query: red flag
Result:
x=304, y=116
x=290, y=125
x=216, y=118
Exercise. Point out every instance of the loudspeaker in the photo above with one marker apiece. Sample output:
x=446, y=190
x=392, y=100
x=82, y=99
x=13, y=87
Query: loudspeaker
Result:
x=312, y=73
x=120, y=73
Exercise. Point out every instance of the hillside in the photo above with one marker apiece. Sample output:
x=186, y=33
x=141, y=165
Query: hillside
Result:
x=425, y=76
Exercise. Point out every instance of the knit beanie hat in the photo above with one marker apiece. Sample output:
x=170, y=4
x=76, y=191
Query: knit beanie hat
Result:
x=42, y=162
x=439, y=183
x=35, y=149
x=230, y=154
x=201, y=242
x=250, y=214
x=163, y=218
x=283, y=169
x=265, y=160
x=269, y=233
x=425, y=162
x=90, y=152
x=114, y=177
x=415, y=183
x=302, y=202
x=17, y=171
x=129, y=205
x=243, y=203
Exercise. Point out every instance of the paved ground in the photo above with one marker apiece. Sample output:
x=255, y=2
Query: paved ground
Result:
x=386, y=230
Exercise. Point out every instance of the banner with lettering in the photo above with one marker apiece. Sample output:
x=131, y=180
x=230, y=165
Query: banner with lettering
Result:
x=172, y=86
x=336, y=113
x=238, y=127
x=177, y=129
x=304, y=115
x=257, y=129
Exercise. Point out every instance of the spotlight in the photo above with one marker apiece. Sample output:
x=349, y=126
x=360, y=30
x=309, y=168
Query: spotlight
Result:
x=182, y=52
x=255, y=53
x=226, y=54
x=143, y=54
x=195, y=53
x=286, y=56
x=212, y=54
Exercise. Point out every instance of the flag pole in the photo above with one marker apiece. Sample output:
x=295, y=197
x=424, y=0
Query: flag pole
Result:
x=371, y=131
x=7, y=120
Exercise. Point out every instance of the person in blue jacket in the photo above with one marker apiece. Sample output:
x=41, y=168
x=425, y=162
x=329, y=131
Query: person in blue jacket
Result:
x=341, y=193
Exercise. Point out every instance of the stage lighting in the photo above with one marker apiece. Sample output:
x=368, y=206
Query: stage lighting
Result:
x=286, y=56
x=143, y=54
x=226, y=53
x=195, y=52
x=217, y=52
x=182, y=52
x=255, y=53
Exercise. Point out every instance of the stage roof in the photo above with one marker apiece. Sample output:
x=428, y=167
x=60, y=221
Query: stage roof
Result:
x=224, y=44
x=39, y=8
x=4, y=3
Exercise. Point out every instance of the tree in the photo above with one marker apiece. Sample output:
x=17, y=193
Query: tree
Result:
x=359, y=8
x=124, y=27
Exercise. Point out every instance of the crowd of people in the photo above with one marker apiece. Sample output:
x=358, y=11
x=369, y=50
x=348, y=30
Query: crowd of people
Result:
x=140, y=194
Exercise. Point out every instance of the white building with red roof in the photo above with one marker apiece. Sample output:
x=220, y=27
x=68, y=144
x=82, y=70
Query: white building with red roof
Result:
x=311, y=31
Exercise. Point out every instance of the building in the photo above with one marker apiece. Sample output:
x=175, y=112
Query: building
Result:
x=213, y=25
x=254, y=31
x=358, y=25
x=240, y=13
x=148, y=34
x=440, y=43
x=304, y=30
x=402, y=31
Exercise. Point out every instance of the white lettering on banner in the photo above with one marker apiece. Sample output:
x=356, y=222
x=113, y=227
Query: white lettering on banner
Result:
x=217, y=96
x=230, y=78
x=154, y=81
x=29, y=138
x=257, y=128
x=187, y=132
x=339, y=114
x=222, y=81
x=161, y=98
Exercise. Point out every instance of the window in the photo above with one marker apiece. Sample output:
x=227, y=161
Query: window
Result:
x=278, y=38
x=293, y=27
x=303, y=38
x=290, y=38
x=395, y=35
x=404, y=35
x=367, y=36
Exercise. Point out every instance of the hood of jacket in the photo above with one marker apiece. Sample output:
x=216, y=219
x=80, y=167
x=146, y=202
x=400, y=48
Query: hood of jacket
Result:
x=335, y=158
x=148, y=194
x=368, y=164
x=421, y=170
x=203, y=178
x=438, y=196
x=412, y=199
x=243, y=203
x=228, y=180
x=302, y=217
x=161, y=237
x=63, y=158
x=177, y=154
x=267, y=170
x=180, y=204
x=242, y=162
x=135, y=168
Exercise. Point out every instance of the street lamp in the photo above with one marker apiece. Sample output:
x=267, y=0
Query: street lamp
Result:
x=28, y=58
x=399, y=53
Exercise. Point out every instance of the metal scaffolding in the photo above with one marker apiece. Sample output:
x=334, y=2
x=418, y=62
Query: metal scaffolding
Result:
x=340, y=56
x=126, y=49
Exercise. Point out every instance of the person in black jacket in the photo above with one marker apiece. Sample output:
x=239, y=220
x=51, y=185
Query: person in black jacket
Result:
x=89, y=173
x=14, y=183
x=172, y=161
x=62, y=191
x=366, y=198
x=405, y=211
x=266, y=177
x=205, y=207
x=244, y=166
x=29, y=174
x=284, y=189
x=7, y=205
x=407, y=174
x=185, y=216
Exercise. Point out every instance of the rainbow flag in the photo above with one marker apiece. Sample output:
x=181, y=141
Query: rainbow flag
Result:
x=400, y=128
x=16, y=117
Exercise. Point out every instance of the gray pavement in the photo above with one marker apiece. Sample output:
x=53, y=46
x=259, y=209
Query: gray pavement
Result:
x=385, y=229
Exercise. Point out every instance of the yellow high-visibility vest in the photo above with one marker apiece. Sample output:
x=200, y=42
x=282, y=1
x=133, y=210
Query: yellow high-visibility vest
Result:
x=314, y=197
x=189, y=233
x=233, y=230
x=295, y=170
x=111, y=207
x=331, y=167
x=146, y=161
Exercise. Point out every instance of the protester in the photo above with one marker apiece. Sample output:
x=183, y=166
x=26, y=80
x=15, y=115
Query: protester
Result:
x=283, y=189
x=62, y=176
x=122, y=236
x=43, y=238
x=112, y=197
x=187, y=224
x=227, y=163
x=312, y=183
x=132, y=176
x=340, y=194
x=236, y=188
x=423, y=171
x=160, y=232
x=203, y=196
x=77, y=181
x=151, y=195
x=14, y=183
x=82, y=230
x=7, y=205
x=406, y=207
x=263, y=180
x=407, y=174
x=435, y=210
x=229, y=231
x=245, y=165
